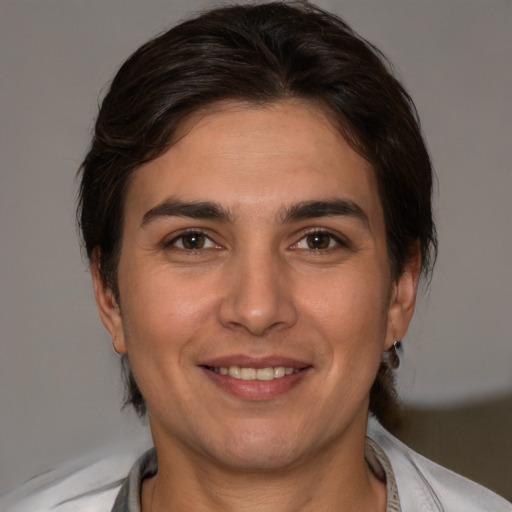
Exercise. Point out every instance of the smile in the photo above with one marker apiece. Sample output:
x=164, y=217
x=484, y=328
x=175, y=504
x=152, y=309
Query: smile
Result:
x=245, y=373
x=256, y=378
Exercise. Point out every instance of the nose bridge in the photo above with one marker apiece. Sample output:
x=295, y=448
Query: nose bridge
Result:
x=258, y=298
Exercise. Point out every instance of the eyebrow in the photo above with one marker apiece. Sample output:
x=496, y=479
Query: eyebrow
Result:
x=328, y=208
x=193, y=210
x=293, y=213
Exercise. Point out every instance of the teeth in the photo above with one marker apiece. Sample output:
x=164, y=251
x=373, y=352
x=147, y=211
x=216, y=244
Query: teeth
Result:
x=268, y=373
x=234, y=371
x=247, y=373
x=265, y=373
x=279, y=371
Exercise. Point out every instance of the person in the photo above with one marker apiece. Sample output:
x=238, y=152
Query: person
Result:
x=256, y=209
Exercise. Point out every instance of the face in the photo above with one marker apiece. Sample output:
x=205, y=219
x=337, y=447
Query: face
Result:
x=255, y=291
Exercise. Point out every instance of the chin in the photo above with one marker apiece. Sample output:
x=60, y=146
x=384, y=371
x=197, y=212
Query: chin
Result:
x=259, y=449
x=260, y=458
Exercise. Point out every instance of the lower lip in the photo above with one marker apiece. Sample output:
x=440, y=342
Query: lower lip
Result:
x=256, y=389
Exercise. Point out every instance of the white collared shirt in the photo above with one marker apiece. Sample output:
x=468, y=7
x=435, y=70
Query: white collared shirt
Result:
x=421, y=485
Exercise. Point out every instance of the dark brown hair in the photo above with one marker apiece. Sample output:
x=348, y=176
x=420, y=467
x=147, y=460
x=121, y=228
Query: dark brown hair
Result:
x=260, y=54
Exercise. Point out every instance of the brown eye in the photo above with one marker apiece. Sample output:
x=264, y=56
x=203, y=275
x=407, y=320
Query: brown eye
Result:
x=192, y=241
x=318, y=241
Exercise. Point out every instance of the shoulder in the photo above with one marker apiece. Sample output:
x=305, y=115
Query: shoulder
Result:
x=424, y=486
x=89, y=484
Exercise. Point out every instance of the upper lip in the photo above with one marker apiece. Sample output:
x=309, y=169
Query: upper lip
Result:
x=247, y=361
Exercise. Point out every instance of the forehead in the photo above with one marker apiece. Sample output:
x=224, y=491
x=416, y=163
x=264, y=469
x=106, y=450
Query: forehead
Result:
x=265, y=156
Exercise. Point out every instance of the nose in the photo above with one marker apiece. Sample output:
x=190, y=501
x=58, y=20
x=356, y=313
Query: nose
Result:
x=258, y=296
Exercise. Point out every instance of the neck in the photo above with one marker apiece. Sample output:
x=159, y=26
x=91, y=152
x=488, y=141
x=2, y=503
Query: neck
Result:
x=336, y=478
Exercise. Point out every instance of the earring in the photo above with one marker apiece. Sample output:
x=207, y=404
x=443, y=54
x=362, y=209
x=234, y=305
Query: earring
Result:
x=393, y=356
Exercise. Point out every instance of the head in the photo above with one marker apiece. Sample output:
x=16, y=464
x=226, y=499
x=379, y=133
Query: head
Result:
x=260, y=57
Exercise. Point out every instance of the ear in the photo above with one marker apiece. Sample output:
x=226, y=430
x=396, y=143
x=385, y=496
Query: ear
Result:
x=403, y=299
x=108, y=308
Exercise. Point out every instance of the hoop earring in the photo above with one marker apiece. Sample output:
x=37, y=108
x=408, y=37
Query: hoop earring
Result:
x=393, y=354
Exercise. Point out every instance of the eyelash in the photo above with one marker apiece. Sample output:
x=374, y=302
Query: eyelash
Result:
x=172, y=244
x=337, y=239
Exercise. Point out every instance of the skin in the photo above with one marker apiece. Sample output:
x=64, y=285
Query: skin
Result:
x=264, y=283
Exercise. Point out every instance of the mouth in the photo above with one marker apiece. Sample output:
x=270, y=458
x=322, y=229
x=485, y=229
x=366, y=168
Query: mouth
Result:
x=259, y=379
x=246, y=373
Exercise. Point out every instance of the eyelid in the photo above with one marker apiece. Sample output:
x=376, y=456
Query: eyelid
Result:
x=171, y=241
x=341, y=240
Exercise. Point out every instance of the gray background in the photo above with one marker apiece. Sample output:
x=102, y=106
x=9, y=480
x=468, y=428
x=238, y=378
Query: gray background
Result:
x=60, y=389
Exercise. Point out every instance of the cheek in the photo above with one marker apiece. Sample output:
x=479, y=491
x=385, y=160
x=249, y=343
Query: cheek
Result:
x=161, y=321
x=349, y=302
x=351, y=318
x=164, y=309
